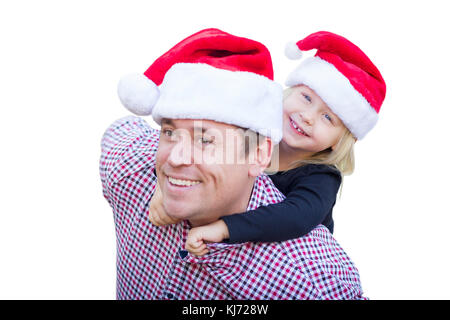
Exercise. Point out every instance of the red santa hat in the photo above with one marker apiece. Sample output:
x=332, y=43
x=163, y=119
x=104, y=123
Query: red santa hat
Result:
x=210, y=75
x=343, y=76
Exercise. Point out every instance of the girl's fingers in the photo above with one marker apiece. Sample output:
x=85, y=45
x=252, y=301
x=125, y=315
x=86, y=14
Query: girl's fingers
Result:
x=193, y=245
x=168, y=220
x=198, y=244
x=158, y=218
x=197, y=250
x=151, y=217
x=155, y=218
x=202, y=247
x=201, y=253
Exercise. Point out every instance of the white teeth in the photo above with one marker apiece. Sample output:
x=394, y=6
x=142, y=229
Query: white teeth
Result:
x=295, y=125
x=184, y=183
x=297, y=128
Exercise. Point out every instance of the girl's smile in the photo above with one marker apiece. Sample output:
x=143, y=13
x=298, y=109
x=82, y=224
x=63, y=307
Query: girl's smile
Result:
x=297, y=128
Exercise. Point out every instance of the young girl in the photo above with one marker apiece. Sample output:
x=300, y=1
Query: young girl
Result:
x=333, y=99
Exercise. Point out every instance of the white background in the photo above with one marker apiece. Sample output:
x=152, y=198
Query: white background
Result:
x=59, y=66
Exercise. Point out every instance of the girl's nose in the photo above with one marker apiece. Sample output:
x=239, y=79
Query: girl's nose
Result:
x=307, y=117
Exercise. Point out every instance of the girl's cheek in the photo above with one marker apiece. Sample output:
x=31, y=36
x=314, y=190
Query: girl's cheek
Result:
x=287, y=109
x=292, y=106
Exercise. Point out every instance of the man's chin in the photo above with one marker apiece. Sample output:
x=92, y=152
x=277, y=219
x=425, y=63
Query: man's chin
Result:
x=177, y=211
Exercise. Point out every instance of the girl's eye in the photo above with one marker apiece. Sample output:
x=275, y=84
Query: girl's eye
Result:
x=328, y=117
x=307, y=97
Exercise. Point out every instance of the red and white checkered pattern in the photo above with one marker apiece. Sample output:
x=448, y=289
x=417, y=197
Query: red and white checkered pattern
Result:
x=152, y=262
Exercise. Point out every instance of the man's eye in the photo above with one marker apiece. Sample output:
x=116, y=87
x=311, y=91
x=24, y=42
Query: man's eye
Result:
x=205, y=140
x=167, y=132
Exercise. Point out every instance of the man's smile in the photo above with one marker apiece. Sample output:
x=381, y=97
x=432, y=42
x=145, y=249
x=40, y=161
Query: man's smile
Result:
x=182, y=182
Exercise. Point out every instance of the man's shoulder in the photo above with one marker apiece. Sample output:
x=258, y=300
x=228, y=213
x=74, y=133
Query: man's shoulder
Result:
x=128, y=128
x=264, y=193
x=128, y=145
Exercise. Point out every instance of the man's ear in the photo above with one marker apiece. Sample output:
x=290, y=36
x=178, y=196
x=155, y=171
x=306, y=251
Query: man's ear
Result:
x=260, y=157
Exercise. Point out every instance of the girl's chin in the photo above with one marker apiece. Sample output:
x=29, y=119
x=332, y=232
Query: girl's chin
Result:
x=292, y=140
x=293, y=144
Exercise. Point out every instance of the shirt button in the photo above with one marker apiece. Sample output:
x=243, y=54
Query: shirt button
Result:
x=183, y=253
x=169, y=295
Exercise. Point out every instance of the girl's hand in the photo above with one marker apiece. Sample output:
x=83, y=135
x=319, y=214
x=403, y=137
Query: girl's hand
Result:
x=197, y=237
x=157, y=215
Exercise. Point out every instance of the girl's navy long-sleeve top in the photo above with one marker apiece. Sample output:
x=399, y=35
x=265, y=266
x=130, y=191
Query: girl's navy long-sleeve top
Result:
x=310, y=192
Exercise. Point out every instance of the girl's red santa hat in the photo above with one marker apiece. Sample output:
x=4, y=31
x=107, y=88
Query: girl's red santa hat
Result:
x=210, y=75
x=343, y=76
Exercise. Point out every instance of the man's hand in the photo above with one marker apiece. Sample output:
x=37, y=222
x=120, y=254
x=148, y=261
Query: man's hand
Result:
x=157, y=215
x=197, y=237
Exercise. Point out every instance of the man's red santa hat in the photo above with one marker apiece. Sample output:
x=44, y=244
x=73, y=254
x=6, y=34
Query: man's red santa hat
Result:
x=343, y=76
x=210, y=75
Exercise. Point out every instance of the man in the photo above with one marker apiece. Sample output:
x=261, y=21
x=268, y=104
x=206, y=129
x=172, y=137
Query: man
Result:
x=211, y=84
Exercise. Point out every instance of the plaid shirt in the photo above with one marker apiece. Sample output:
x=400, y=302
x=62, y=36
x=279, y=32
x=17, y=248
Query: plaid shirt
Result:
x=152, y=262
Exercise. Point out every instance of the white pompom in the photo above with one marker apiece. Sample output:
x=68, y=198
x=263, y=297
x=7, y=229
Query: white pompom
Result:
x=138, y=93
x=292, y=51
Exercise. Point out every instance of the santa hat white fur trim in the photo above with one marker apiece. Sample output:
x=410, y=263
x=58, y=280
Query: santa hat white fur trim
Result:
x=292, y=51
x=200, y=91
x=337, y=92
x=138, y=93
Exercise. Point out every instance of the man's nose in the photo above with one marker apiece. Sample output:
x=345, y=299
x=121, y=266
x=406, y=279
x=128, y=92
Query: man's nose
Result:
x=181, y=153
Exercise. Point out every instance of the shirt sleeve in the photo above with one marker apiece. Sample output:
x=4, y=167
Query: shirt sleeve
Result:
x=126, y=146
x=306, y=206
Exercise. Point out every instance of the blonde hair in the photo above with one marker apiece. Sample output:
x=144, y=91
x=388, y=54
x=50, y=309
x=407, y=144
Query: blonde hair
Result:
x=342, y=157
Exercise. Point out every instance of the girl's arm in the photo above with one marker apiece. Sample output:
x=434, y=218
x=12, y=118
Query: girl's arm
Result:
x=308, y=202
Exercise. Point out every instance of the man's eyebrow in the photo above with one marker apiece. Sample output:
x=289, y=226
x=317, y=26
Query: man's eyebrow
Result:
x=196, y=126
x=167, y=122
